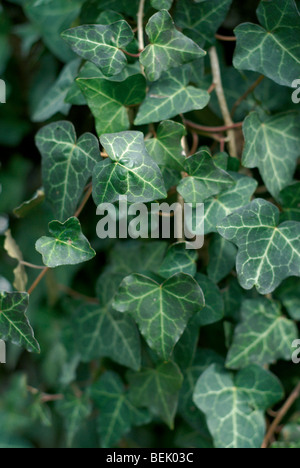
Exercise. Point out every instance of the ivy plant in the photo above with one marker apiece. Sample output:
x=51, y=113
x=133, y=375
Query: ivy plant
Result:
x=122, y=336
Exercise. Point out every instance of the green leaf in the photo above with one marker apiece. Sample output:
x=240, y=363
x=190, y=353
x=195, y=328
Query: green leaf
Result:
x=171, y=96
x=290, y=197
x=263, y=335
x=161, y=4
x=158, y=390
x=67, y=246
x=102, y=332
x=117, y=413
x=67, y=164
x=266, y=142
x=288, y=294
x=75, y=410
x=129, y=171
x=54, y=100
x=228, y=201
x=168, y=47
x=179, y=259
x=161, y=310
x=233, y=405
x=51, y=17
x=165, y=148
x=214, y=307
x=273, y=48
x=222, y=255
x=26, y=207
x=101, y=44
x=268, y=253
x=204, y=178
x=14, y=325
x=201, y=20
x=109, y=100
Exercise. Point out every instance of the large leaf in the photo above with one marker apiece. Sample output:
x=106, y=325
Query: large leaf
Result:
x=101, y=44
x=268, y=253
x=201, y=20
x=117, y=413
x=168, y=47
x=165, y=148
x=129, y=171
x=171, y=96
x=273, y=48
x=204, y=178
x=266, y=143
x=226, y=202
x=67, y=164
x=233, y=405
x=158, y=390
x=161, y=309
x=109, y=101
x=66, y=246
x=263, y=335
x=102, y=332
x=14, y=325
x=222, y=255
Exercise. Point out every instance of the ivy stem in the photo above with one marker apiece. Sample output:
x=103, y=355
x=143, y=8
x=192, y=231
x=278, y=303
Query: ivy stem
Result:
x=280, y=415
x=220, y=37
x=84, y=201
x=217, y=79
x=30, y=265
x=38, y=280
x=45, y=398
x=140, y=19
x=130, y=54
x=77, y=295
x=246, y=94
x=203, y=128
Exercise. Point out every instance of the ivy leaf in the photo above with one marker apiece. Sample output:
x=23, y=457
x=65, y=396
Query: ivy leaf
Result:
x=54, y=100
x=67, y=246
x=158, y=390
x=109, y=100
x=278, y=34
x=263, y=335
x=161, y=310
x=166, y=148
x=129, y=171
x=288, y=294
x=222, y=205
x=222, y=255
x=204, y=178
x=102, y=332
x=179, y=260
x=75, y=410
x=266, y=142
x=268, y=253
x=234, y=405
x=117, y=413
x=67, y=164
x=14, y=325
x=26, y=207
x=171, y=96
x=161, y=4
x=101, y=44
x=168, y=47
x=14, y=251
x=290, y=197
x=214, y=307
x=201, y=20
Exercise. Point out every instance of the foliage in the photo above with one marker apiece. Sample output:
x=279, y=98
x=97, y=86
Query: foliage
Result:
x=147, y=342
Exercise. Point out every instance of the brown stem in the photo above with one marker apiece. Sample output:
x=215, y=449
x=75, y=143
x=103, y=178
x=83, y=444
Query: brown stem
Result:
x=130, y=54
x=211, y=88
x=195, y=143
x=203, y=128
x=77, y=295
x=220, y=37
x=38, y=280
x=246, y=94
x=45, y=398
x=84, y=202
x=280, y=415
x=30, y=265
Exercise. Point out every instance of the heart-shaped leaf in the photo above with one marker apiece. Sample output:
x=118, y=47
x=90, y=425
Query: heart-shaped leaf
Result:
x=67, y=246
x=268, y=253
x=179, y=259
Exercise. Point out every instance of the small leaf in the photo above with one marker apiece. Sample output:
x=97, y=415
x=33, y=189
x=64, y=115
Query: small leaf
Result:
x=204, y=178
x=158, y=390
x=171, y=96
x=161, y=4
x=101, y=44
x=168, y=47
x=75, y=410
x=14, y=325
x=214, y=307
x=67, y=246
x=27, y=206
x=129, y=171
x=179, y=259
x=222, y=255
x=266, y=142
x=117, y=413
x=67, y=164
x=14, y=251
x=233, y=405
x=161, y=310
x=268, y=253
x=290, y=197
x=262, y=337
x=288, y=294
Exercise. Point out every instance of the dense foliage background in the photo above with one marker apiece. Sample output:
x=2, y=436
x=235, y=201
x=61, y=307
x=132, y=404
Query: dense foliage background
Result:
x=106, y=367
